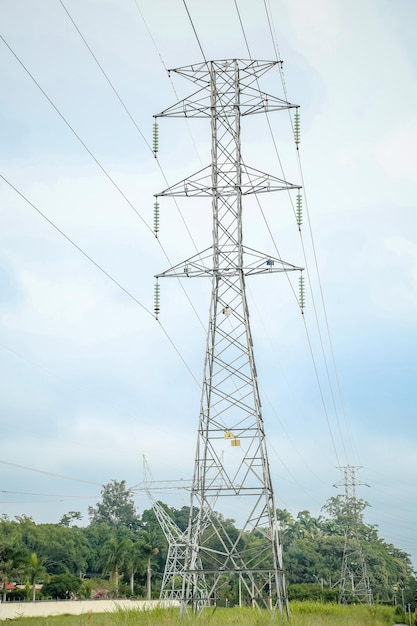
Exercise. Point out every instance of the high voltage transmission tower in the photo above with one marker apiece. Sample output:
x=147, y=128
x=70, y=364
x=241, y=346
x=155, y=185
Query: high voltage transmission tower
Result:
x=354, y=581
x=174, y=572
x=231, y=463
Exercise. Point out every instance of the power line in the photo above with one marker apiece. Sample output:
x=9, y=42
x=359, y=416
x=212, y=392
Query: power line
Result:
x=141, y=134
x=304, y=254
x=99, y=267
x=243, y=30
x=106, y=76
x=109, y=177
x=77, y=247
x=173, y=89
x=195, y=32
x=38, y=471
x=321, y=394
x=46, y=495
x=83, y=143
x=53, y=105
x=325, y=359
x=24, y=358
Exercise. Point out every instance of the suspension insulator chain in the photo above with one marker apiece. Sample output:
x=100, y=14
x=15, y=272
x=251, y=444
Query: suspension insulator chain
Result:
x=156, y=299
x=156, y=218
x=299, y=210
x=155, y=139
x=297, y=128
x=301, y=293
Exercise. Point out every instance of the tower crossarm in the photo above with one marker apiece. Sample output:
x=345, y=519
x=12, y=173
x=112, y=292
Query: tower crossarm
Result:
x=198, y=105
x=252, y=181
x=250, y=71
x=251, y=100
x=200, y=265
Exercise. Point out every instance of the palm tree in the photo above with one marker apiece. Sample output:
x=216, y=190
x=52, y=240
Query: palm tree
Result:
x=307, y=526
x=113, y=557
x=12, y=557
x=35, y=569
x=148, y=550
x=134, y=562
x=6, y=569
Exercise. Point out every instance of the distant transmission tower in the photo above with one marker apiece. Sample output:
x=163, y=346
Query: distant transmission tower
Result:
x=231, y=463
x=172, y=580
x=354, y=581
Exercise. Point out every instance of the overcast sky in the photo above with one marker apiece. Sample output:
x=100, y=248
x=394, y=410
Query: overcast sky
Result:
x=90, y=380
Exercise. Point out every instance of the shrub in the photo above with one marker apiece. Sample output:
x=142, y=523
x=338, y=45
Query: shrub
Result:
x=312, y=592
x=62, y=586
x=16, y=595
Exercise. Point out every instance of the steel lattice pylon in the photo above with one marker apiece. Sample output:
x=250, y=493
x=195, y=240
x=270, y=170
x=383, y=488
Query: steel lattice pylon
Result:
x=231, y=457
x=174, y=572
x=354, y=580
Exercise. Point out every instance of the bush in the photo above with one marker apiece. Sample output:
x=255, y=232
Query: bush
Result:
x=97, y=588
x=17, y=595
x=62, y=586
x=312, y=592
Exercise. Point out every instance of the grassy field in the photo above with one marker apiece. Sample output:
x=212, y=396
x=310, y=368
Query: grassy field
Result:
x=302, y=614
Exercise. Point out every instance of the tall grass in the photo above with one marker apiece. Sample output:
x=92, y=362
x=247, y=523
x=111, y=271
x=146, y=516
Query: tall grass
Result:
x=302, y=614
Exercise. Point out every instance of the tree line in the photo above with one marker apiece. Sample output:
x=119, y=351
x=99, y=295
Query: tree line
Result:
x=122, y=553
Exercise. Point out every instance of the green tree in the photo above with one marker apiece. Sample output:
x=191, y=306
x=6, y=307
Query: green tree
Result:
x=118, y=541
x=182, y=516
x=62, y=549
x=307, y=526
x=69, y=518
x=149, y=550
x=313, y=549
x=346, y=512
x=113, y=557
x=35, y=570
x=96, y=535
x=133, y=563
x=63, y=586
x=11, y=559
x=25, y=526
x=116, y=508
x=285, y=519
x=152, y=533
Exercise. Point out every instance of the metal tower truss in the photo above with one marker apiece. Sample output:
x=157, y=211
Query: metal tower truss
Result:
x=354, y=580
x=174, y=572
x=252, y=181
x=200, y=265
x=231, y=464
x=171, y=588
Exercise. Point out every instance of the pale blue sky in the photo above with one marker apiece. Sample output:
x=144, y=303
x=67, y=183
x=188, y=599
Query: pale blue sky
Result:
x=89, y=380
